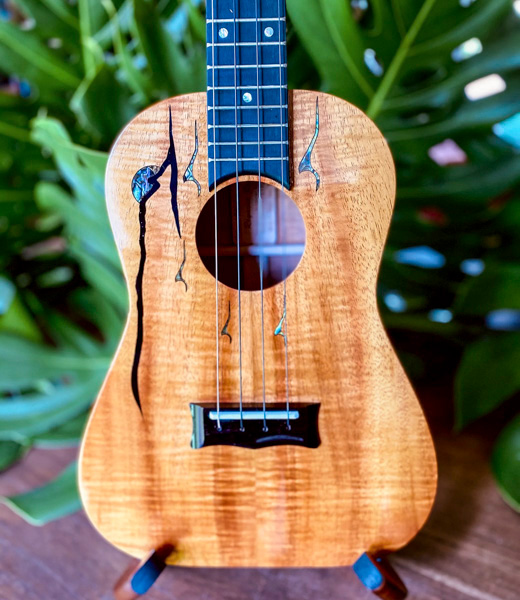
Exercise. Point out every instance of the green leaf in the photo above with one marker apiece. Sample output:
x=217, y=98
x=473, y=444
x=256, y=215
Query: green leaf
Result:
x=487, y=376
x=10, y=453
x=23, y=52
x=137, y=81
x=92, y=53
x=79, y=223
x=7, y=294
x=70, y=336
x=173, y=72
x=108, y=281
x=499, y=176
x=66, y=435
x=75, y=164
x=18, y=320
x=53, y=18
x=497, y=287
x=103, y=89
x=102, y=313
x=505, y=464
x=37, y=414
x=346, y=36
x=460, y=25
x=497, y=58
x=54, y=500
x=17, y=133
x=22, y=363
x=309, y=21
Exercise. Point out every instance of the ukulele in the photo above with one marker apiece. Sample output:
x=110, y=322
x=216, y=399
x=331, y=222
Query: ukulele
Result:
x=255, y=414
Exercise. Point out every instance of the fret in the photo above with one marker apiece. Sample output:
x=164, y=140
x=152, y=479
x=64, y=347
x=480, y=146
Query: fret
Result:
x=250, y=20
x=217, y=67
x=262, y=143
x=253, y=160
x=249, y=107
x=222, y=88
x=246, y=126
x=241, y=44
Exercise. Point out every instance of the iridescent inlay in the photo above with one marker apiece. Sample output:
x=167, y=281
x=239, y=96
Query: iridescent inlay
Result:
x=141, y=185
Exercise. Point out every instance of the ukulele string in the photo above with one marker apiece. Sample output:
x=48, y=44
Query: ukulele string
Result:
x=235, y=73
x=284, y=261
x=260, y=208
x=213, y=26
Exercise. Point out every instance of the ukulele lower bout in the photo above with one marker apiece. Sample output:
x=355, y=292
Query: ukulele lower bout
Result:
x=357, y=476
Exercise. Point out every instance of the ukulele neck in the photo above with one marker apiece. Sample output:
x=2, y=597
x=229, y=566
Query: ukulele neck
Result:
x=248, y=117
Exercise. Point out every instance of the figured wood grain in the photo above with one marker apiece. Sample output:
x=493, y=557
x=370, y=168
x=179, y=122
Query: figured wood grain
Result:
x=371, y=484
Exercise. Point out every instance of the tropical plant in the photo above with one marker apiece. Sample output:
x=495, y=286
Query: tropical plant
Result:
x=75, y=72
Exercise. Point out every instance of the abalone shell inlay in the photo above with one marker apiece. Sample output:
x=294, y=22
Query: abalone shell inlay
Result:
x=179, y=278
x=141, y=184
x=188, y=175
x=306, y=163
x=225, y=330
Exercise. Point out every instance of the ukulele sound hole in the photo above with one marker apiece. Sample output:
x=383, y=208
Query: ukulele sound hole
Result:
x=271, y=234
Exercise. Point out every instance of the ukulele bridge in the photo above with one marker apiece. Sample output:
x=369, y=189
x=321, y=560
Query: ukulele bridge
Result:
x=253, y=427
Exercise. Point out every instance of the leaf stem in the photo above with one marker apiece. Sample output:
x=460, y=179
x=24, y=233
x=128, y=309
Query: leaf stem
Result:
x=348, y=60
x=391, y=74
x=89, y=60
x=16, y=133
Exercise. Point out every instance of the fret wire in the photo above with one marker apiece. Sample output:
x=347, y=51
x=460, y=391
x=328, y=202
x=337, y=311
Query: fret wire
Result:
x=246, y=20
x=209, y=67
x=248, y=126
x=250, y=44
x=263, y=143
x=247, y=87
x=263, y=107
x=254, y=159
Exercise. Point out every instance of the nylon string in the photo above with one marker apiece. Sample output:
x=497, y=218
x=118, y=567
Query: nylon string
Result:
x=284, y=268
x=214, y=91
x=260, y=208
x=235, y=34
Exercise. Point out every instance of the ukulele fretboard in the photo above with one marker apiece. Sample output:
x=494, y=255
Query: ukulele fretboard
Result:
x=247, y=89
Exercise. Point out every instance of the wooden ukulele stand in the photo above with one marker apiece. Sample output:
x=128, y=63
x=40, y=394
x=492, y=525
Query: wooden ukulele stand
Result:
x=374, y=572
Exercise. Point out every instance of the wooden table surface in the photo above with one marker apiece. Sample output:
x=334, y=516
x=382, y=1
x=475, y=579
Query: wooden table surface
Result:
x=469, y=549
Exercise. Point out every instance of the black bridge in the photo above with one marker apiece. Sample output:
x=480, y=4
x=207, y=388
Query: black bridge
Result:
x=254, y=428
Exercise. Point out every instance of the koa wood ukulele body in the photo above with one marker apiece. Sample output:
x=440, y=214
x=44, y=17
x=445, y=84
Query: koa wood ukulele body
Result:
x=256, y=413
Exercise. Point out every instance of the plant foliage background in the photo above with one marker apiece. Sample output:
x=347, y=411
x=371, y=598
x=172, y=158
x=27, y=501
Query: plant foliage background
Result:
x=73, y=72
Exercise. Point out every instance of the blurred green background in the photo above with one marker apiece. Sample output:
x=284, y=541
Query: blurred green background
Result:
x=441, y=78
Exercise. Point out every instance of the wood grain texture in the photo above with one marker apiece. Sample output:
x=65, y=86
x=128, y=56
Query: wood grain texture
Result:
x=371, y=483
